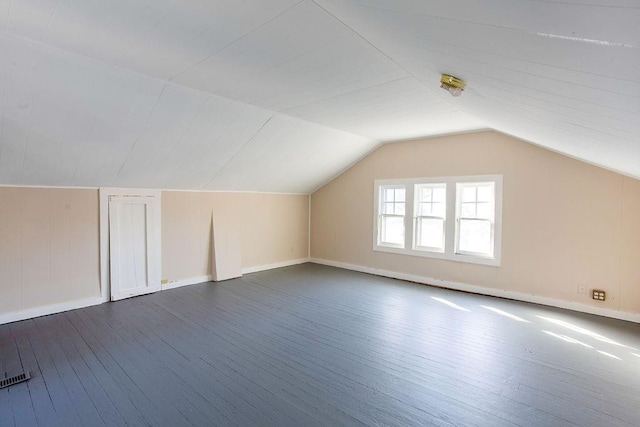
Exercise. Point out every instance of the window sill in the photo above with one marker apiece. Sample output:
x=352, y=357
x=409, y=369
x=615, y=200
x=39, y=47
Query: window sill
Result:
x=470, y=259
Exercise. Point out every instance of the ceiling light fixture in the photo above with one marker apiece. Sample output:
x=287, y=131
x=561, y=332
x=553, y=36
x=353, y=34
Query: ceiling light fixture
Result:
x=454, y=85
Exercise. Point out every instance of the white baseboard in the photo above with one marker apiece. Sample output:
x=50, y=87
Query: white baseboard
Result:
x=552, y=302
x=186, y=282
x=248, y=270
x=49, y=309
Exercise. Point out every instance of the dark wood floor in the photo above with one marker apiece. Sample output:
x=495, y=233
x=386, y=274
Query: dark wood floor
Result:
x=313, y=345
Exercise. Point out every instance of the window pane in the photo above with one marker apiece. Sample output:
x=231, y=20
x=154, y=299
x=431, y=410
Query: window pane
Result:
x=387, y=208
x=439, y=209
x=425, y=209
x=485, y=210
x=468, y=194
x=425, y=194
x=388, y=194
x=485, y=193
x=398, y=209
x=439, y=194
x=399, y=195
x=468, y=210
x=430, y=233
x=392, y=230
x=475, y=236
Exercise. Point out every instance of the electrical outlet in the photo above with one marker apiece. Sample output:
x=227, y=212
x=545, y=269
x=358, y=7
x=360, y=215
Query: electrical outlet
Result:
x=598, y=295
x=581, y=289
x=164, y=281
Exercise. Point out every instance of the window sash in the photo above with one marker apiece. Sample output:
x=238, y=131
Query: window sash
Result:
x=382, y=231
x=417, y=231
x=396, y=206
x=475, y=253
x=461, y=190
x=432, y=203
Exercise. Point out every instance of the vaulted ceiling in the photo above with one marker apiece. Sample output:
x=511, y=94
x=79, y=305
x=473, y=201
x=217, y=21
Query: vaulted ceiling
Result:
x=282, y=95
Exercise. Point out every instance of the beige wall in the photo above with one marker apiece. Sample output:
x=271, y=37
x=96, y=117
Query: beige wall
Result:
x=272, y=228
x=48, y=247
x=564, y=222
x=49, y=239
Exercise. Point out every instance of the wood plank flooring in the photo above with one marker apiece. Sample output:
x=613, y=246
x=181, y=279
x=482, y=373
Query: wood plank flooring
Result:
x=318, y=346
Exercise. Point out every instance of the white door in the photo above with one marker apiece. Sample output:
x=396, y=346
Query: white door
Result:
x=133, y=245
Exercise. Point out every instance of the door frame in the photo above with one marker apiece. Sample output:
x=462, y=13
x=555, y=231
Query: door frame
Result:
x=105, y=193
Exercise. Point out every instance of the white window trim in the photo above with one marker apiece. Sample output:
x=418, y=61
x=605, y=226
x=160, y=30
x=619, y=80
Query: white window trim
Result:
x=450, y=222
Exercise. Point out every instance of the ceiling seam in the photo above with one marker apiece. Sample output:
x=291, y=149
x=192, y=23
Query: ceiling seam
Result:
x=239, y=150
x=49, y=21
x=9, y=13
x=370, y=43
x=276, y=66
x=527, y=107
x=584, y=4
x=405, y=69
x=521, y=59
x=186, y=128
x=194, y=148
x=564, y=106
x=236, y=40
x=155, y=105
x=162, y=19
x=564, y=153
x=500, y=27
x=284, y=110
x=553, y=126
x=28, y=136
x=60, y=142
x=222, y=133
x=548, y=76
x=101, y=63
x=84, y=150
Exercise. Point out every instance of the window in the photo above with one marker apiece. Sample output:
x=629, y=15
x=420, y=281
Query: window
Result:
x=475, y=212
x=430, y=216
x=392, y=214
x=454, y=218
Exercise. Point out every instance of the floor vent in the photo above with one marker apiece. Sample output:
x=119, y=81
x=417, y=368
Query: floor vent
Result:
x=6, y=382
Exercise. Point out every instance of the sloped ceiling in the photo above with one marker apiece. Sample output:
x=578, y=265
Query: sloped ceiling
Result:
x=281, y=95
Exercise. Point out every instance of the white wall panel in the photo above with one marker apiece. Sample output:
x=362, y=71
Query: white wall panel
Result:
x=48, y=247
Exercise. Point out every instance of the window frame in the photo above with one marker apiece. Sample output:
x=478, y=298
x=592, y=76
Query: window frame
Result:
x=381, y=215
x=459, y=217
x=417, y=217
x=451, y=224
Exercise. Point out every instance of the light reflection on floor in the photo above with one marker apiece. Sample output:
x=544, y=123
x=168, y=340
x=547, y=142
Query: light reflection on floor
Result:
x=505, y=314
x=450, y=304
x=589, y=341
x=567, y=339
x=584, y=331
x=609, y=354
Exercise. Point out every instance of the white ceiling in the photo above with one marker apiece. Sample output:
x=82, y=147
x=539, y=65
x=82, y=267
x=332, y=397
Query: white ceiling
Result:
x=281, y=95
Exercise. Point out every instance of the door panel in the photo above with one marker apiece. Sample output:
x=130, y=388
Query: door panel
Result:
x=132, y=247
